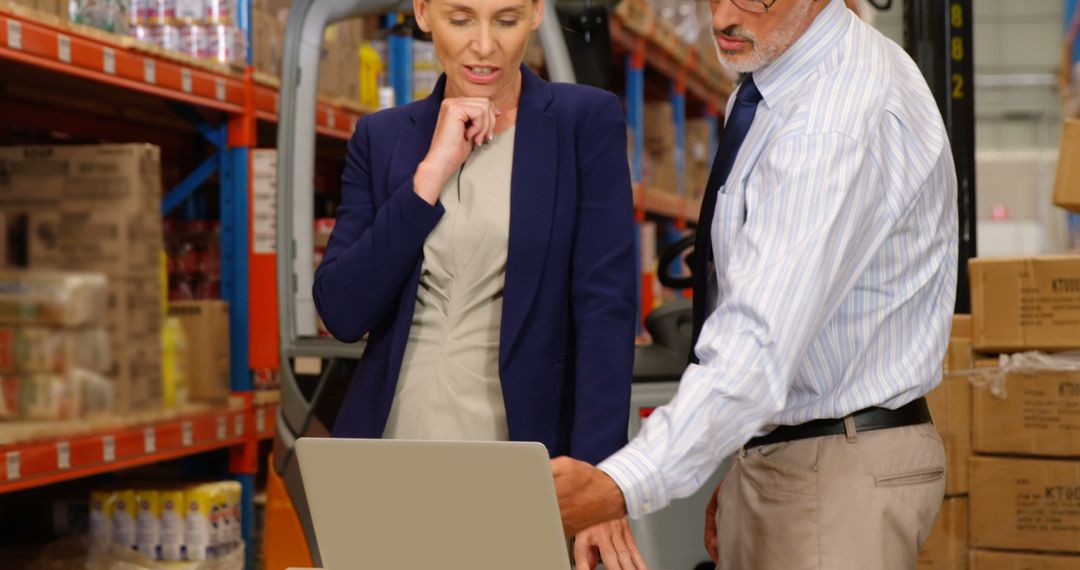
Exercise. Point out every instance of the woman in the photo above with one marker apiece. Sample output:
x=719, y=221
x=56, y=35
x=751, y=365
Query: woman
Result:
x=485, y=241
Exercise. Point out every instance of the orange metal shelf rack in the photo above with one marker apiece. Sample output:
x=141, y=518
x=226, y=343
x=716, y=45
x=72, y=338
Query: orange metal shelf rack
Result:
x=121, y=61
x=58, y=458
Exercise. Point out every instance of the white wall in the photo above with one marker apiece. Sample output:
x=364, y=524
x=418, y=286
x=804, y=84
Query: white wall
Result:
x=1018, y=49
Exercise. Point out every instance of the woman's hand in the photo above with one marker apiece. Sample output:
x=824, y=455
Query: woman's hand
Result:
x=463, y=123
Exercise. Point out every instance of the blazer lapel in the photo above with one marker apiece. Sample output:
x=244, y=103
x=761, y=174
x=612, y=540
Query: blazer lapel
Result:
x=413, y=143
x=532, y=201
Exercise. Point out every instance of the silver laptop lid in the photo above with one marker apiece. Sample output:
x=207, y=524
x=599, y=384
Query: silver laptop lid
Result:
x=410, y=505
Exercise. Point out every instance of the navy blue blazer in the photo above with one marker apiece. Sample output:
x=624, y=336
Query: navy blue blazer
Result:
x=567, y=333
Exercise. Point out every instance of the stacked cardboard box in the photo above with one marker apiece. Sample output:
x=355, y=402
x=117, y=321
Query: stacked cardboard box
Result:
x=1067, y=184
x=339, y=69
x=1025, y=479
x=97, y=208
x=660, y=147
x=267, y=40
x=1029, y=303
x=698, y=158
x=950, y=406
x=206, y=331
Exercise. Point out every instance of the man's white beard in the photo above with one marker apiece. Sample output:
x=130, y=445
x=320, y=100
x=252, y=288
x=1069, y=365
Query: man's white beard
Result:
x=765, y=51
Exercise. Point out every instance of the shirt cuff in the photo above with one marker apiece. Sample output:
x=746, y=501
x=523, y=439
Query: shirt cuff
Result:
x=642, y=486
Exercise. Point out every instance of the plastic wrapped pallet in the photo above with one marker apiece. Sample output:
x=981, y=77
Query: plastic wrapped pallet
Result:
x=1027, y=405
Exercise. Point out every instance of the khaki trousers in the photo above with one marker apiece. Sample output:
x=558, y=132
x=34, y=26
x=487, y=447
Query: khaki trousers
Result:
x=862, y=501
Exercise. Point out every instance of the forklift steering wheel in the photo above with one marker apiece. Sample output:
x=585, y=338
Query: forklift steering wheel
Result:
x=668, y=258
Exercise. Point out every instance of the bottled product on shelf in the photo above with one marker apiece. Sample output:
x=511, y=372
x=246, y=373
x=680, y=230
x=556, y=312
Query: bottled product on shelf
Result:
x=193, y=259
x=109, y=15
x=169, y=523
x=202, y=29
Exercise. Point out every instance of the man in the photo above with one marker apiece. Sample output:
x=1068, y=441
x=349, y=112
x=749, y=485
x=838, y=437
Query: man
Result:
x=823, y=298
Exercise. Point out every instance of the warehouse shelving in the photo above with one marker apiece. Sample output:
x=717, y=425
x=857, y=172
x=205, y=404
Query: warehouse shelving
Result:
x=43, y=41
x=224, y=104
x=52, y=452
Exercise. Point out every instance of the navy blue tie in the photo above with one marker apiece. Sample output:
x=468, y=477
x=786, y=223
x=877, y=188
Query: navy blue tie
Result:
x=738, y=124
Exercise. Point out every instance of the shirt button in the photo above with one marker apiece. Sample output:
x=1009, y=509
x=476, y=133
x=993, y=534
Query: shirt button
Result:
x=647, y=506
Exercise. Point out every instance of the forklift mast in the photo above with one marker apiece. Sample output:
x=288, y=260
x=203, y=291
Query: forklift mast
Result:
x=938, y=35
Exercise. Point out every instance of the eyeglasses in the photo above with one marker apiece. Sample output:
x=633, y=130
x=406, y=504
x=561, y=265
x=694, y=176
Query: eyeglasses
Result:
x=754, y=6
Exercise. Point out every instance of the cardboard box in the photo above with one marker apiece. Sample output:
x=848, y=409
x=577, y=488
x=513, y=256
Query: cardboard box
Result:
x=1067, y=184
x=661, y=174
x=659, y=127
x=1026, y=303
x=92, y=208
x=109, y=242
x=962, y=327
x=987, y=560
x=1025, y=504
x=206, y=328
x=134, y=324
x=138, y=376
x=121, y=178
x=950, y=406
x=947, y=546
x=1038, y=415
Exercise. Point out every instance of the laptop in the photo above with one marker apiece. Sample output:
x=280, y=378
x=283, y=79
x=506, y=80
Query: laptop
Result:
x=409, y=505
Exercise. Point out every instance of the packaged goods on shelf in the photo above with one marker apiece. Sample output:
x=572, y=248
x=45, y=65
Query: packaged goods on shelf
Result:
x=219, y=11
x=49, y=350
x=170, y=523
x=206, y=330
x=174, y=366
x=85, y=208
x=37, y=396
x=156, y=12
x=193, y=260
x=682, y=17
x=225, y=44
x=1026, y=404
x=52, y=298
x=109, y=15
x=267, y=40
x=194, y=41
x=1025, y=504
x=947, y=546
x=1026, y=303
x=1067, y=184
x=188, y=11
x=426, y=69
x=372, y=71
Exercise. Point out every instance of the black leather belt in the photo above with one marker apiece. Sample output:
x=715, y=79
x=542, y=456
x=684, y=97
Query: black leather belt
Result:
x=914, y=413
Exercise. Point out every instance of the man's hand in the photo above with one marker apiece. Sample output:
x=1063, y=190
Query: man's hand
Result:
x=587, y=495
x=611, y=542
x=710, y=526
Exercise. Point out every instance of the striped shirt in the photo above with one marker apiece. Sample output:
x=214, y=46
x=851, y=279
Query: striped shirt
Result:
x=835, y=244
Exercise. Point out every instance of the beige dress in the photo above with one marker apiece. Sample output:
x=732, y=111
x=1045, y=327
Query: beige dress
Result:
x=449, y=386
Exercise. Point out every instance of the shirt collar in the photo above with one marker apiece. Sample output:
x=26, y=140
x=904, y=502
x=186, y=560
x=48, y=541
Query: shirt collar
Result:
x=781, y=76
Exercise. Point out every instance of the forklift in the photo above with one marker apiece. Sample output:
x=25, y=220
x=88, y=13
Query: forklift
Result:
x=315, y=372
